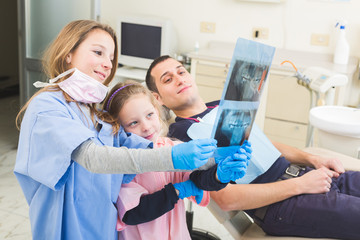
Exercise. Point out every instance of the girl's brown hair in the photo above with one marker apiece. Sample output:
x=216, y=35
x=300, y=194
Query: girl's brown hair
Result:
x=117, y=98
x=54, y=58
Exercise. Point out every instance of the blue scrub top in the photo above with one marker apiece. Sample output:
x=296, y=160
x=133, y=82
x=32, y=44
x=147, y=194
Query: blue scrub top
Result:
x=65, y=200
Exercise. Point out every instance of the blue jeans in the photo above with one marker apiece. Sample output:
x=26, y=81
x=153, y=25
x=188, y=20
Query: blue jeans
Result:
x=335, y=214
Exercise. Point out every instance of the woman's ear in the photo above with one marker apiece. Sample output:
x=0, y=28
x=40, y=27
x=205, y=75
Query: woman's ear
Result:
x=68, y=58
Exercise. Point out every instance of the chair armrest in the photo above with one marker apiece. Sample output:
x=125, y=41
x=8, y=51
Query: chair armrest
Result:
x=349, y=163
x=235, y=222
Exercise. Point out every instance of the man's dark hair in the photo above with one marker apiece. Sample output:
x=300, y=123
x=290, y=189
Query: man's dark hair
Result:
x=150, y=81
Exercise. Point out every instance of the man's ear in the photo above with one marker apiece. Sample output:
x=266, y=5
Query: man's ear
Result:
x=158, y=98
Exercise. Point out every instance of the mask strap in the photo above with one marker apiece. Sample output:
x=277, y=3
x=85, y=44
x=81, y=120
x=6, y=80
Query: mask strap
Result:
x=39, y=84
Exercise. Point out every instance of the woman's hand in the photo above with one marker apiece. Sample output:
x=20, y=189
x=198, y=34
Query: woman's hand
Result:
x=234, y=166
x=193, y=154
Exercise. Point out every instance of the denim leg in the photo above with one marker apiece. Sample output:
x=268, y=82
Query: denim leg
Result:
x=349, y=183
x=335, y=214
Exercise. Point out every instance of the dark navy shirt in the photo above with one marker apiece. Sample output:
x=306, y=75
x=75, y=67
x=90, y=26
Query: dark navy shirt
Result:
x=179, y=128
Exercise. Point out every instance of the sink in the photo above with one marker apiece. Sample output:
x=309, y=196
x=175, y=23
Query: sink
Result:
x=339, y=120
x=338, y=128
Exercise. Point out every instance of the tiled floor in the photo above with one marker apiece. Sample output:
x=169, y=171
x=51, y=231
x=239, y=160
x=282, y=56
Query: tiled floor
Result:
x=14, y=222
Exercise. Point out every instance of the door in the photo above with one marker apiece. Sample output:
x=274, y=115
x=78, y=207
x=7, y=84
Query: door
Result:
x=39, y=23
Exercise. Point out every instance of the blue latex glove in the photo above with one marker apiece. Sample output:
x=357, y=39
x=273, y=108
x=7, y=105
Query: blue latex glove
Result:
x=193, y=154
x=232, y=168
x=247, y=147
x=188, y=189
x=223, y=152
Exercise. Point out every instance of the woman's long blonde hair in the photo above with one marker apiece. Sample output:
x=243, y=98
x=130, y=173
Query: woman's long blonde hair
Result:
x=117, y=98
x=54, y=58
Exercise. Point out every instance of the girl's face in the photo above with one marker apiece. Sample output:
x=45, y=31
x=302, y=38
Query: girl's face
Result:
x=93, y=56
x=139, y=116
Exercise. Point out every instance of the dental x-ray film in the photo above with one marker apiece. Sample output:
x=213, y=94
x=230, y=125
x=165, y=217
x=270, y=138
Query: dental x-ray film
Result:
x=240, y=99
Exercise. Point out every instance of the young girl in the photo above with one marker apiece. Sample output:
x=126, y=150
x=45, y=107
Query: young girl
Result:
x=62, y=124
x=147, y=209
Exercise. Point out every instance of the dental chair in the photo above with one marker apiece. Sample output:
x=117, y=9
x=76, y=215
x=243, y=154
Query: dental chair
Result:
x=241, y=226
x=238, y=223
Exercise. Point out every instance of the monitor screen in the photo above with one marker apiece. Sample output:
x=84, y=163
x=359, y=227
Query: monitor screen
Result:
x=138, y=40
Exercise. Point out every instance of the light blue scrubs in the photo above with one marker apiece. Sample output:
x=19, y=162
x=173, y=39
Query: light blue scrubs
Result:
x=66, y=201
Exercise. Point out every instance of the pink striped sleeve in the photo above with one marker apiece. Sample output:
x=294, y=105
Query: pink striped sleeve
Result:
x=129, y=197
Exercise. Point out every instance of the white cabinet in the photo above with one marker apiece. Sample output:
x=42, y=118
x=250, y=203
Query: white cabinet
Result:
x=210, y=78
x=289, y=133
x=287, y=109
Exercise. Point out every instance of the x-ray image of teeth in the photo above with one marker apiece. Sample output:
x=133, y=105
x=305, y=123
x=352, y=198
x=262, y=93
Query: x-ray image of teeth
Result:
x=246, y=81
x=233, y=126
x=240, y=100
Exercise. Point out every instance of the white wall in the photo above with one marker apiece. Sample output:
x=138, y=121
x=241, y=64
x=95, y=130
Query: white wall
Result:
x=290, y=23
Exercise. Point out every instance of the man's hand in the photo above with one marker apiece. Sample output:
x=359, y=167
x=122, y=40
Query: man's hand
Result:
x=315, y=181
x=333, y=166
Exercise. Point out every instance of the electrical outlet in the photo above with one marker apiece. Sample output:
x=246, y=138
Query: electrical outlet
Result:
x=320, y=39
x=207, y=27
x=260, y=33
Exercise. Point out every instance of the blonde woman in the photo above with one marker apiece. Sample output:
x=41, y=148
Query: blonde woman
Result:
x=61, y=127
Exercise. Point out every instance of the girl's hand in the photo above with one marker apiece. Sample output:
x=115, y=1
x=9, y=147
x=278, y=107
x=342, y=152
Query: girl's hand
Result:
x=188, y=189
